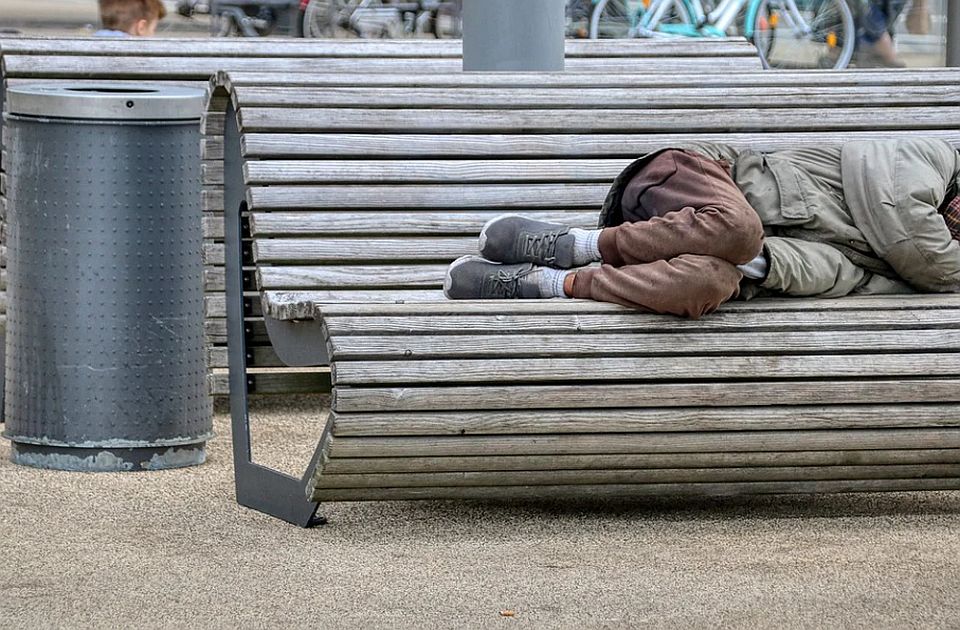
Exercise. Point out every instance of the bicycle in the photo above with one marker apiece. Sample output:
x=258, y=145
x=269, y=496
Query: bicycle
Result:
x=380, y=18
x=787, y=33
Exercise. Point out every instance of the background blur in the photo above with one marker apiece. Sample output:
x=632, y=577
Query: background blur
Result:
x=79, y=18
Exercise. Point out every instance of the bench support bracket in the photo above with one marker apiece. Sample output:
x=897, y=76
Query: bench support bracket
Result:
x=258, y=487
x=298, y=343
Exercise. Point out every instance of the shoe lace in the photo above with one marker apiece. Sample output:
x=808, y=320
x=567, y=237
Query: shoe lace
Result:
x=541, y=246
x=506, y=284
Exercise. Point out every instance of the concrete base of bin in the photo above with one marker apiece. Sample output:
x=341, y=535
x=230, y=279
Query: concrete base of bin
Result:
x=108, y=459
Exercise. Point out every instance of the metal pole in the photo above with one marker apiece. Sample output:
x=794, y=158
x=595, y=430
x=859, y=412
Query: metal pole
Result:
x=953, y=33
x=513, y=35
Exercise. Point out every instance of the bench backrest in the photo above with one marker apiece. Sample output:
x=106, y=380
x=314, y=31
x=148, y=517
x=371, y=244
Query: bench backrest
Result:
x=366, y=194
x=344, y=63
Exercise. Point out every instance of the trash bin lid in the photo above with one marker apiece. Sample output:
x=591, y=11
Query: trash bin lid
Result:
x=106, y=101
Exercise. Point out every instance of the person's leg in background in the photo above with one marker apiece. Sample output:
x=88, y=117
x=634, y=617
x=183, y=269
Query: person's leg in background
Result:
x=875, y=34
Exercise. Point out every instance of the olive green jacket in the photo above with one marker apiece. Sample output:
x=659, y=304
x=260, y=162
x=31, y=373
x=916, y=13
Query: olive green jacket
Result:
x=861, y=218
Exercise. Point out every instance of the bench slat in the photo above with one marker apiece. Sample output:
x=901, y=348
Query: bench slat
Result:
x=645, y=369
x=678, y=442
x=193, y=47
x=507, y=345
x=345, y=276
x=420, y=223
x=618, y=491
x=304, y=305
x=825, y=96
x=378, y=249
x=387, y=465
x=671, y=395
x=432, y=171
x=509, y=144
x=639, y=476
x=915, y=302
x=429, y=196
x=600, y=120
x=860, y=77
x=174, y=67
x=720, y=322
x=539, y=421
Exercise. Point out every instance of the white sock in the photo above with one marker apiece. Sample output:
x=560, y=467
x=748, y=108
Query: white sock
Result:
x=586, y=246
x=550, y=281
x=756, y=268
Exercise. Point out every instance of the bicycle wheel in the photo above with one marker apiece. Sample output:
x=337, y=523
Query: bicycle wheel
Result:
x=620, y=19
x=321, y=19
x=669, y=17
x=613, y=19
x=796, y=34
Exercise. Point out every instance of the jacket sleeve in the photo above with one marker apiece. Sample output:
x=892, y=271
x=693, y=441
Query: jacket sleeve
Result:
x=808, y=268
x=893, y=190
x=712, y=150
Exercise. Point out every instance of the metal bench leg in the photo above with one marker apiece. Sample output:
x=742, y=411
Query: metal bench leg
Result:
x=258, y=487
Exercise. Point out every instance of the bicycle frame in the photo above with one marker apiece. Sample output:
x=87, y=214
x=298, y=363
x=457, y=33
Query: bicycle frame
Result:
x=716, y=22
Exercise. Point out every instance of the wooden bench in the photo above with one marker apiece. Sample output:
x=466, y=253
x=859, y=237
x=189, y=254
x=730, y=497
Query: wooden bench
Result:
x=344, y=218
x=345, y=64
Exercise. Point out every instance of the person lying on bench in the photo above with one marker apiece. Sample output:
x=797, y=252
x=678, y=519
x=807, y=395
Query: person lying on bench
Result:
x=686, y=229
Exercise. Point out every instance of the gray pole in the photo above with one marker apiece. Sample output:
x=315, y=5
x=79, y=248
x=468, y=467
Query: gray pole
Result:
x=953, y=33
x=513, y=35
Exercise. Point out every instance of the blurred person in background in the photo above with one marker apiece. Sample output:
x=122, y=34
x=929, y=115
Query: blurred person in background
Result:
x=130, y=18
x=875, y=37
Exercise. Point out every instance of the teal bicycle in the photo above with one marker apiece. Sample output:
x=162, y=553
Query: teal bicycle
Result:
x=788, y=33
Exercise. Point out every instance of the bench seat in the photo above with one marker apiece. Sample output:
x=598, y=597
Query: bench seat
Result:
x=342, y=221
x=547, y=398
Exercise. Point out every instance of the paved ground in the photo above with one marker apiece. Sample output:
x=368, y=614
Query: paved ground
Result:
x=173, y=550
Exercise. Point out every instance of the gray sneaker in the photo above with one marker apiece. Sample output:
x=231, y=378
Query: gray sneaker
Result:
x=473, y=278
x=512, y=238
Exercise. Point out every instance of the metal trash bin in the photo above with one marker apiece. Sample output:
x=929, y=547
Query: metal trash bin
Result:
x=105, y=366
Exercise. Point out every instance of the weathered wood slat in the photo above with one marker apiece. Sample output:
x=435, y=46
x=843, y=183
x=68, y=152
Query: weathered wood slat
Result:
x=513, y=144
x=420, y=223
x=600, y=443
x=285, y=381
x=372, y=249
x=174, y=67
x=539, y=421
x=507, y=345
x=288, y=304
x=434, y=171
x=257, y=356
x=598, y=396
x=646, y=369
x=642, y=476
x=659, y=489
x=428, y=196
x=352, y=277
x=391, y=465
x=814, y=78
x=215, y=304
x=213, y=253
x=212, y=225
x=825, y=96
x=733, y=321
x=212, y=172
x=601, y=120
x=913, y=302
x=305, y=305
x=192, y=47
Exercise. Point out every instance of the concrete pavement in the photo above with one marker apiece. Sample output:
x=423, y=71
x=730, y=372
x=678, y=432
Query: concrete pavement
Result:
x=173, y=550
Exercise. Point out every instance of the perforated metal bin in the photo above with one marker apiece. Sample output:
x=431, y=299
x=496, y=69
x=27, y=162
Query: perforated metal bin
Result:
x=105, y=368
